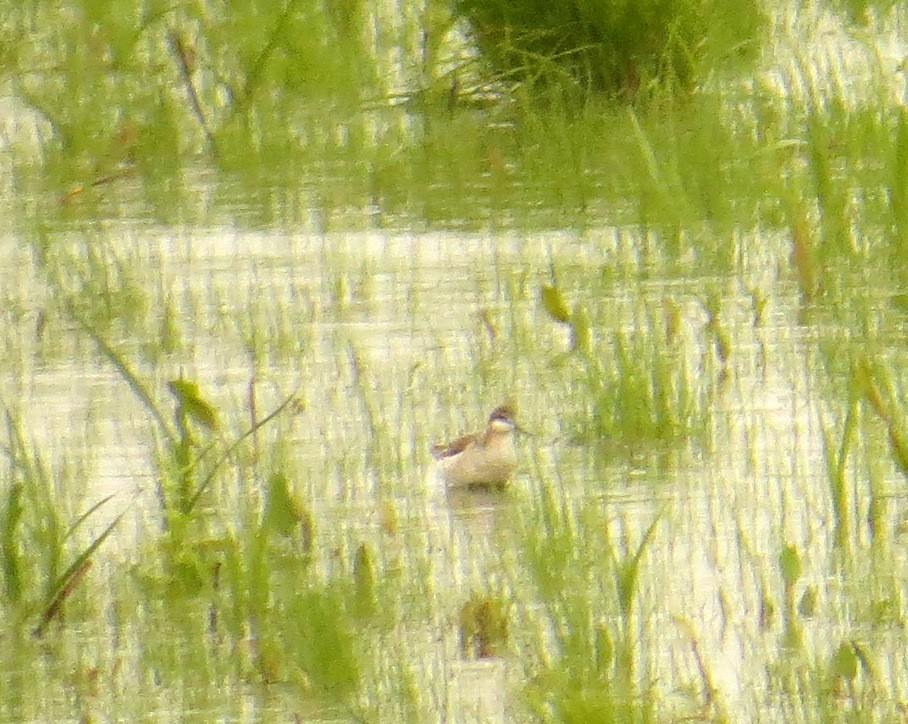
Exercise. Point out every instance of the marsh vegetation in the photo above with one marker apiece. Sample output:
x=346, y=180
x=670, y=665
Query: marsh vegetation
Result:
x=258, y=261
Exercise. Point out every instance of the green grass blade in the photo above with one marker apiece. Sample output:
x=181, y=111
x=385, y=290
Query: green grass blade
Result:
x=629, y=569
x=12, y=574
x=130, y=377
x=229, y=451
x=85, y=515
x=66, y=582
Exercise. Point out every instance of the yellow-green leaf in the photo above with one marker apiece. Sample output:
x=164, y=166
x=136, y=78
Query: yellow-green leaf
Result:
x=554, y=304
x=790, y=562
x=193, y=404
x=283, y=514
x=845, y=662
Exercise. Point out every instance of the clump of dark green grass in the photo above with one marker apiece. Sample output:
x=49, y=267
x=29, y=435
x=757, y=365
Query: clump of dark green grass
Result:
x=633, y=385
x=616, y=49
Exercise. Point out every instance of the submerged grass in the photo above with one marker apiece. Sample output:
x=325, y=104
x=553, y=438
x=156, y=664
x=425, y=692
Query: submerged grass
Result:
x=579, y=624
x=261, y=585
x=632, y=380
x=40, y=571
x=252, y=575
x=292, y=573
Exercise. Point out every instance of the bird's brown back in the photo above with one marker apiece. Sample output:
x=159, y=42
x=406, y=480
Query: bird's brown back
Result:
x=446, y=450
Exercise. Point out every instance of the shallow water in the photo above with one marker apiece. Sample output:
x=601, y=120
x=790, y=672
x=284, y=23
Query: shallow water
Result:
x=399, y=340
